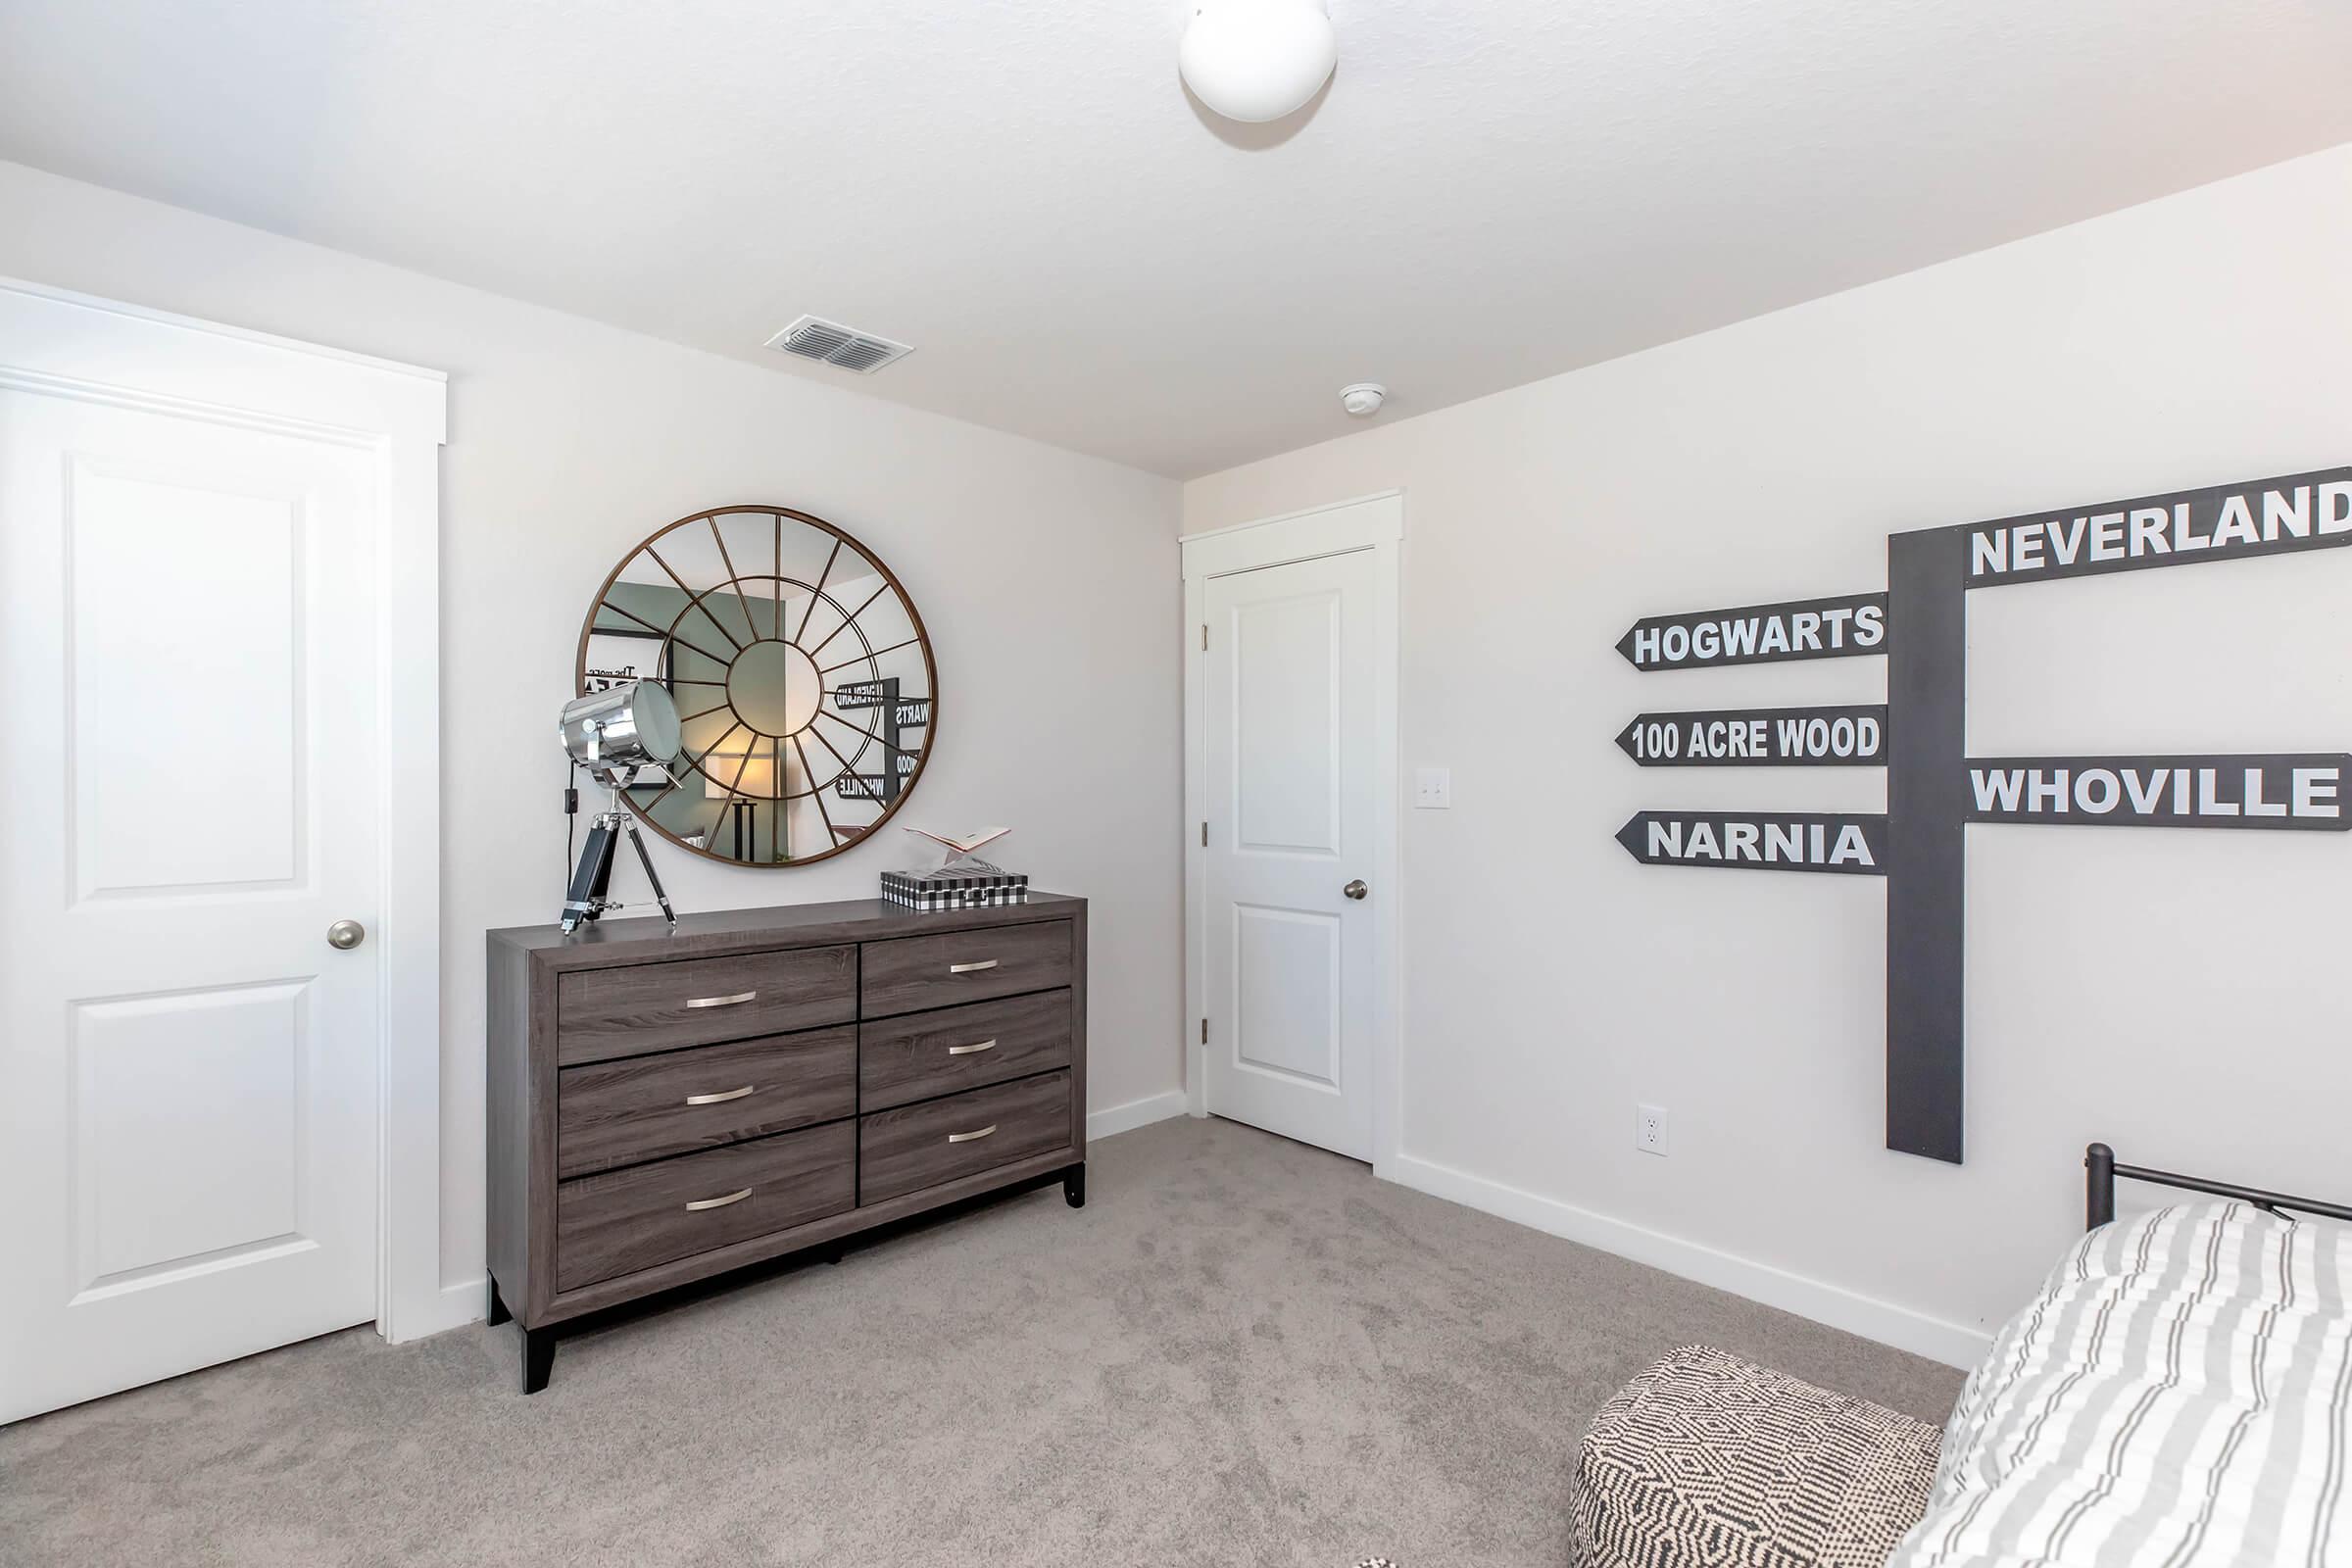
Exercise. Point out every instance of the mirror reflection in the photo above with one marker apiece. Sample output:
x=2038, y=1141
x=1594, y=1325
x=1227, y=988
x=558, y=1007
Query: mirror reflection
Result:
x=803, y=679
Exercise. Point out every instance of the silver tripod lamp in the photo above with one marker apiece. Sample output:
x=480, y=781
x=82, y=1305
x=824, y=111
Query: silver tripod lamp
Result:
x=614, y=733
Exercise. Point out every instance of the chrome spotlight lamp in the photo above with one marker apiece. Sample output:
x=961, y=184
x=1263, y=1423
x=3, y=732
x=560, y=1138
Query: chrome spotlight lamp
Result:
x=613, y=733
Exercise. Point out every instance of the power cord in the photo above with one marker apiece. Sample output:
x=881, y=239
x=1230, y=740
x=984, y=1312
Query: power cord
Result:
x=571, y=809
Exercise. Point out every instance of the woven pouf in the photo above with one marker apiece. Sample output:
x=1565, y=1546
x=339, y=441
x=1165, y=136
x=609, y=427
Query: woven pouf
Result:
x=1704, y=1460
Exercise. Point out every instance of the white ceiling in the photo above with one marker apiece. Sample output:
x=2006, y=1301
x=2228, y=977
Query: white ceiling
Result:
x=1489, y=192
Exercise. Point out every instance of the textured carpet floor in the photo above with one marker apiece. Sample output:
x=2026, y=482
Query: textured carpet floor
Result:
x=1241, y=1352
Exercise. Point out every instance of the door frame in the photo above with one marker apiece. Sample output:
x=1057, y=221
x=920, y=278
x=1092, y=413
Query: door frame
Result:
x=61, y=343
x=1373, y=522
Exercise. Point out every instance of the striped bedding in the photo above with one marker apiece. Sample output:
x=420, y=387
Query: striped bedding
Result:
x=2180, y=1394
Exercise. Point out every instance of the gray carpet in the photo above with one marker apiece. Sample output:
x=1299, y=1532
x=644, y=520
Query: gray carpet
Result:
x=1241, y=1352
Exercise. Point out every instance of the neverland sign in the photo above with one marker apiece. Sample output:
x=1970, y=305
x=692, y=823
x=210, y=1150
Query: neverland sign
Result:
x=1934, y=789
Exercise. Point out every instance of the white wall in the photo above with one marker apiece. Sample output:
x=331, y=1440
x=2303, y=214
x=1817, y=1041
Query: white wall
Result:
x=1048, y=582
x=2184, y=996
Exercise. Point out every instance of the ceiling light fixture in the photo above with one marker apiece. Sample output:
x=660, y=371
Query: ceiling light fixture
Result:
x=1257, y=59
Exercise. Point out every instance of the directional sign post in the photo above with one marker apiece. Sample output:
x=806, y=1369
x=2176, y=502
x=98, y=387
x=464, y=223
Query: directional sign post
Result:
x=896, y=715
x=1850, y=736
x=1934, y=789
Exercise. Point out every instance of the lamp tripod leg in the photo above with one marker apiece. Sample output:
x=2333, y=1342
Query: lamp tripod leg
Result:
x=585, y=899
x=660, y=895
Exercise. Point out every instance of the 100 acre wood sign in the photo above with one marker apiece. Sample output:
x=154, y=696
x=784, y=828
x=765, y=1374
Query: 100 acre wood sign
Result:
x=1934, y=789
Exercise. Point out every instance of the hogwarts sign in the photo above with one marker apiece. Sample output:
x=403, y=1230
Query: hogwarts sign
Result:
x=1934, y=788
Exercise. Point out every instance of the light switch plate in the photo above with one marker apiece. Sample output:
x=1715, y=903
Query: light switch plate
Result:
x=1432, y=789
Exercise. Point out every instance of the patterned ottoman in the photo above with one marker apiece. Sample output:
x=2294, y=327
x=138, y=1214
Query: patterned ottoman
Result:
x=1705, y=1459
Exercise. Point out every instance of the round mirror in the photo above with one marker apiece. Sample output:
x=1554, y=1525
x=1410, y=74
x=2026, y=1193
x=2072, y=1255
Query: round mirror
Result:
x=799, y=670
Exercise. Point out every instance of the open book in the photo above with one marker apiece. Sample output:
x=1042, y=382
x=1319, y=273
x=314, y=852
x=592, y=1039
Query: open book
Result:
x=960, y=846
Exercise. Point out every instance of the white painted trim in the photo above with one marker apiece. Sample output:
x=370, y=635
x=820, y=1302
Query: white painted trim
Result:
x=65, y=342
x=1288, y=516
x=240, y=335
x=1904, y=1328
x=1191, y=1048
x=1347, y=526
x=455, y=1307
x=1112, y=1120
x=411, y=1299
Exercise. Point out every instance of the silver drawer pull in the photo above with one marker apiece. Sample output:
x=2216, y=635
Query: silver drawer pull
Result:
x=969, y=1051
x=723, y=1096
x=736, y=1000
x=965, y=1137
x=968, y=969
x=701, y=1203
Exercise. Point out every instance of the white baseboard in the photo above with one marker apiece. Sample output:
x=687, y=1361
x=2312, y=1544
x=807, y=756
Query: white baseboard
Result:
x=1135, y=1113
x=1953, y=1344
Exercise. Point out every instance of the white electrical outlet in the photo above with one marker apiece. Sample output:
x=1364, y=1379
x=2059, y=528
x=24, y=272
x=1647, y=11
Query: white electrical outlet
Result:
x=1432, y=789
x=1649, y=1129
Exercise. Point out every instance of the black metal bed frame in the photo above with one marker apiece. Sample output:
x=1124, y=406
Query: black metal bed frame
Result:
x=2099, y=1199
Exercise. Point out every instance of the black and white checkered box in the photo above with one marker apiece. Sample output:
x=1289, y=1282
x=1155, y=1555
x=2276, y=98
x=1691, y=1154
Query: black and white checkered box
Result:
x=949, y=889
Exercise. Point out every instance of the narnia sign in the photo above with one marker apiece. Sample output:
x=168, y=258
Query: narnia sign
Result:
x=1782, y=841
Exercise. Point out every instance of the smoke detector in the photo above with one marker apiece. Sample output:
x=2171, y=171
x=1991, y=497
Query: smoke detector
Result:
x=1362, y=399
x=812, y=337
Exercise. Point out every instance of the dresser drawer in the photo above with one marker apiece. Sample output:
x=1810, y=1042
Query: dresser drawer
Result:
x=605, y=1014
x=914, y=1146
x=642, y=1107
x=912, y=973
x=926, y=1054
x=626, y=1220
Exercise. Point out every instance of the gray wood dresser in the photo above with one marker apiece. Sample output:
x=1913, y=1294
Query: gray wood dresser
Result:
x=666, y=1106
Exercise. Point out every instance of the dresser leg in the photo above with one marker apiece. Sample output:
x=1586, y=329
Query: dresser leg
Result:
x=1073, y=1186
x=498, y=1306
x=538, y=1359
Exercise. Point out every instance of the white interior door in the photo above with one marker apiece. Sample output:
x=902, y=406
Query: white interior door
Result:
x=188, y=1078
x=1293, y=787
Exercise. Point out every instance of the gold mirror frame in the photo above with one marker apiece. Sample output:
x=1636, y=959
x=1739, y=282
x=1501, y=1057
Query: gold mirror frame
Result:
x=855, y=741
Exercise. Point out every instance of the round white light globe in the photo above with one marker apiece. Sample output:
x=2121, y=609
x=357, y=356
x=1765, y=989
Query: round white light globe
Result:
x=1257, y=59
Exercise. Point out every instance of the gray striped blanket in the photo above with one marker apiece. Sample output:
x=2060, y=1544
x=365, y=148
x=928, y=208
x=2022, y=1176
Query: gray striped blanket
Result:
x=2180, y=1394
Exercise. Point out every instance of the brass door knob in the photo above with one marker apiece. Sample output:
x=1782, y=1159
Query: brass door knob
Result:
x=345, y=935
x=1355, y=888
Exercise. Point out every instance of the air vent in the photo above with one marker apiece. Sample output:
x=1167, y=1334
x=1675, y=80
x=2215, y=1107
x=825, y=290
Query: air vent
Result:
x=815, y=338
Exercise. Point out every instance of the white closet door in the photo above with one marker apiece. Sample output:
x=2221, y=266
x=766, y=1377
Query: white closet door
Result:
x=188, y=1076
x=1291, y=789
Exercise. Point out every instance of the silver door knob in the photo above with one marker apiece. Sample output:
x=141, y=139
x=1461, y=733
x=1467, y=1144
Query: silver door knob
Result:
x=345, y=935
x=1355, y=888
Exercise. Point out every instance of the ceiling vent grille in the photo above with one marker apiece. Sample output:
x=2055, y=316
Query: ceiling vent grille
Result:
x=815, y=338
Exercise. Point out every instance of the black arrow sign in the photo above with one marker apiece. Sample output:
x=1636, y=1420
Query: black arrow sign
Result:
x=1848, y=736
x=2300, y=790
x=2179, y=528
x=1847, y=842
x=1759, y=634
x=856, y=694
